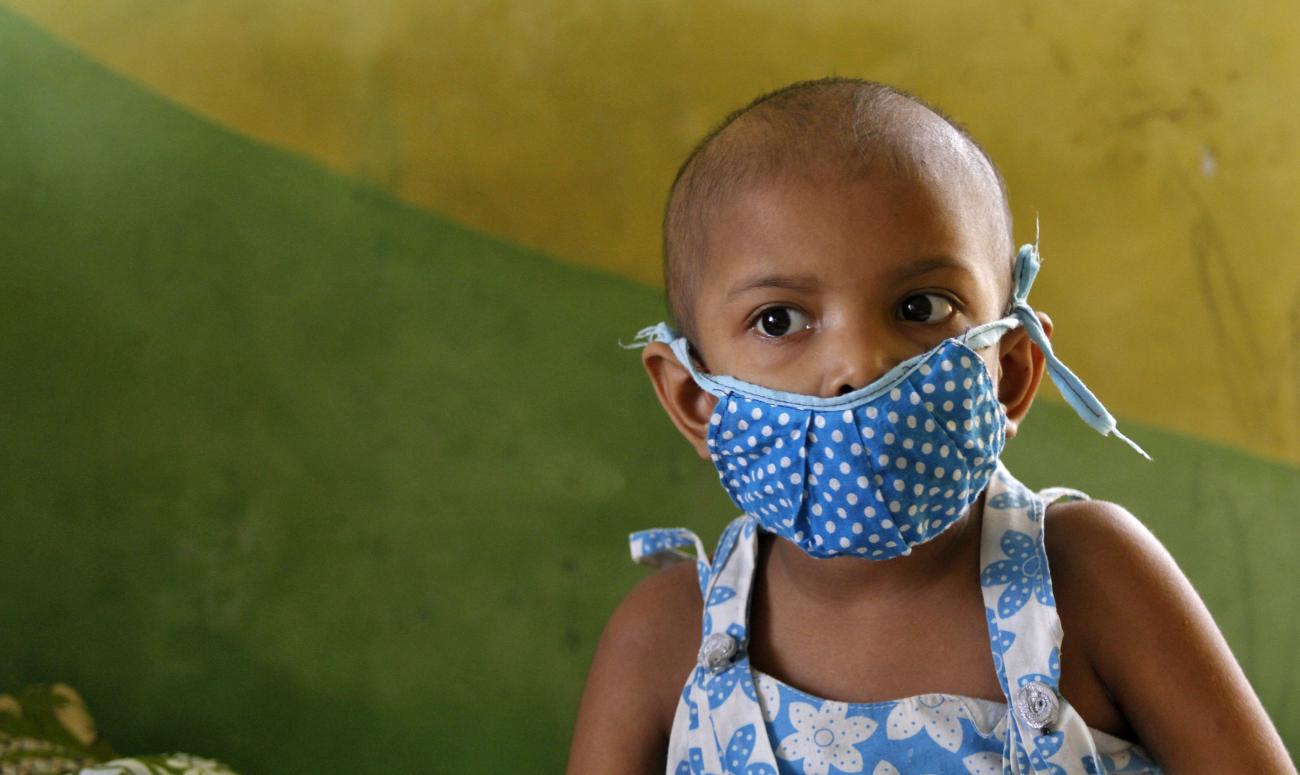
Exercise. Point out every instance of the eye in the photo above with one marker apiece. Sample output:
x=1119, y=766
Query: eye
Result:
x=776, y=322
x=925, y=308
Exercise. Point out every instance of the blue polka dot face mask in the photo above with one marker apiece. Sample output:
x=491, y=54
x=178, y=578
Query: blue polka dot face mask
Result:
x=875, y=472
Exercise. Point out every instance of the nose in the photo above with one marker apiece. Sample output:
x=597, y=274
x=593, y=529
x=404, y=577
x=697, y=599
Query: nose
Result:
x=856, y=360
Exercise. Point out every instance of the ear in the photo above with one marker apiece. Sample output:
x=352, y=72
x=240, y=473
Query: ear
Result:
x=1021, y=365
x=687, y=405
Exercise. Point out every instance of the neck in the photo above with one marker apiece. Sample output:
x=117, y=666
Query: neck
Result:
x=842, y=580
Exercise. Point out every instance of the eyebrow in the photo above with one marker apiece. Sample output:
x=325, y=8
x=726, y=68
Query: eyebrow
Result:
x=929, y=265
x=808, y=283
x=796, y=282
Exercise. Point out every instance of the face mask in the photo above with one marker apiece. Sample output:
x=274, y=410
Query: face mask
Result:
x=875, y=472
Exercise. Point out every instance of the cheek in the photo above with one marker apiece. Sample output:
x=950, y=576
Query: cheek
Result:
x=994, y=366
x=792, y=368
x=799, y=376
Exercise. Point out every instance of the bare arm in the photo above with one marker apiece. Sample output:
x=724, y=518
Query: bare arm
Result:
x=1157, y=650
x=641, y=663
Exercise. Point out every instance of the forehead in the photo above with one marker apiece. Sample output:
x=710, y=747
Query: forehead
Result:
x=886, y=222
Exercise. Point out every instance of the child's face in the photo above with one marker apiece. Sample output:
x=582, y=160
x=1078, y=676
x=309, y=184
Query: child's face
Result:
x=819, y=289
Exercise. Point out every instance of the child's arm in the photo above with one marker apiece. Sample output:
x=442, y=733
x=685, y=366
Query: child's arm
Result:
x=641, y=664
x=1155, y=647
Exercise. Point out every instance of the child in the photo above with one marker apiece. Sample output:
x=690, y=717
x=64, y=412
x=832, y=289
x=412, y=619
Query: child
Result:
x=853, y=347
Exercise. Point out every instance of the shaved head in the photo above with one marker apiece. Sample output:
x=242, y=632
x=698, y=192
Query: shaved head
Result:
x=832, y=131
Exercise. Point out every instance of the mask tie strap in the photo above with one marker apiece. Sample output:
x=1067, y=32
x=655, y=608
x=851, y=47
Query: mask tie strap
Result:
x=1072, y=389
x=661, y=332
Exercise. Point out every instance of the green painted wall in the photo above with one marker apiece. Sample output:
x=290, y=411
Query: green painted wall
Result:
x=302, y=477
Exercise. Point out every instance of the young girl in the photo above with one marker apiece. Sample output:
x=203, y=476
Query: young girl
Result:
x=853, y=347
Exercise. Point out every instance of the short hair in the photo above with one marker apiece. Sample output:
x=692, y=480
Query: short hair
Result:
x=834, y=128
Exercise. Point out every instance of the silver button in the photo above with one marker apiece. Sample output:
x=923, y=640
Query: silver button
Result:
x=717, y=651
x=1036, y=704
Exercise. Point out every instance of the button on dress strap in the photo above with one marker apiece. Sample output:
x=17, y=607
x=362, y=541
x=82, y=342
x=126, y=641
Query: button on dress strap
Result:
x=1046, y=734
x=723, y=682
x=720, y=722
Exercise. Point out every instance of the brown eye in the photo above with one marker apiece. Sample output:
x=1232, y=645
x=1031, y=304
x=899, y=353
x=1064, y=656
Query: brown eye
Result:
x=925, y=308
x=778, y=321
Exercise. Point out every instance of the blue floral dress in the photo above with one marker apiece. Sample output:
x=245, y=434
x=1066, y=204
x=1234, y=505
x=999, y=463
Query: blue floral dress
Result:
x=732, y=718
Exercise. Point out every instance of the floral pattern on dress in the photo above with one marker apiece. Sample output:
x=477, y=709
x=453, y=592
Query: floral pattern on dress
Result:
x=825, y=736
x=938, y=715
x=1024, y=572
x=999, y=641
x=694, y=764
x=720, y=685
x=1053, y=676
x=1045, y=747
x=983, y=763
x=769, y=696
x=721, y=595
x=1012, y=499
x=927, y=709
x=717, y=597
x=738, y=752
x=893, y=739
x=692, y=708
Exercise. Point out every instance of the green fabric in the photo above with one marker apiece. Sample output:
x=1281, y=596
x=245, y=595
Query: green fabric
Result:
x=168, y=764
x=260, y=423
x=47, y=729
x=48, y=722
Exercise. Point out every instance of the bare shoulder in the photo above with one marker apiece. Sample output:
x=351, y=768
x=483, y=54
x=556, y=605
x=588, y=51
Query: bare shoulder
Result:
x=642, y=660
x=1094, y=524
x=1152, y=645
x=1097, y=543
x=1113, y=576
x=658, y=625
x=1113, y=579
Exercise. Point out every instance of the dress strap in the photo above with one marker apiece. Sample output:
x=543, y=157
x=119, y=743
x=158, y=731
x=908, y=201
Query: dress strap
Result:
x=1046, y=734
x=723, y=680
x=661, y=547
x=726, y=592
x=725, y=583
x=721, y=721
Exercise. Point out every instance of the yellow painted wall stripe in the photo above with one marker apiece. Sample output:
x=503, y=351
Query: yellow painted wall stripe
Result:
x=1156, y=141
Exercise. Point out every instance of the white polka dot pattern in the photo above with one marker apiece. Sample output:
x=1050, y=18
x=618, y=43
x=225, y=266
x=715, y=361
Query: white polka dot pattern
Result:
x=872, y=480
